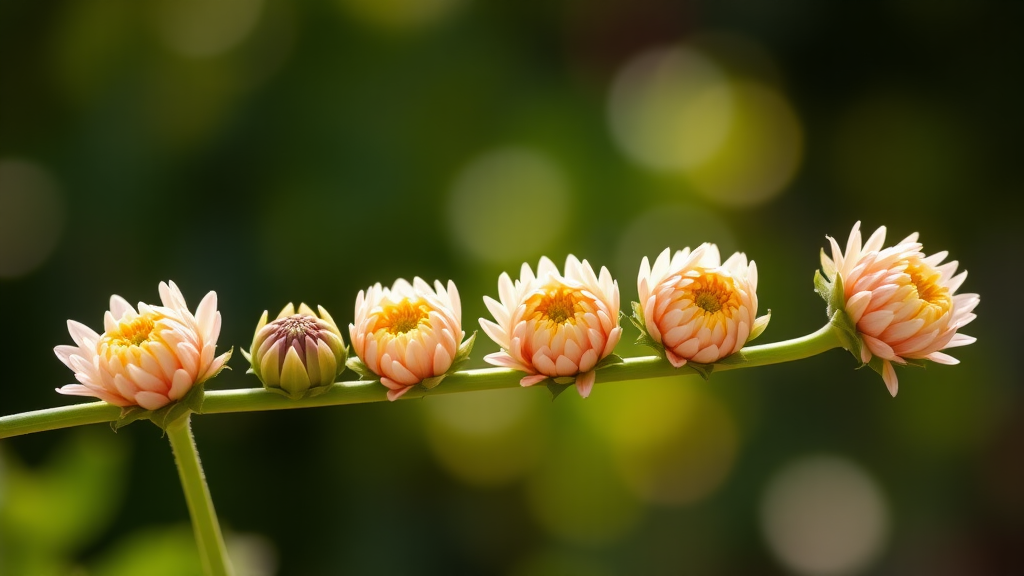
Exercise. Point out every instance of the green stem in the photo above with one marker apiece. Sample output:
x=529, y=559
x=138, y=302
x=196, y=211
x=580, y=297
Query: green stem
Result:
x=823, y=340
x=212, y=552
x=358, y=392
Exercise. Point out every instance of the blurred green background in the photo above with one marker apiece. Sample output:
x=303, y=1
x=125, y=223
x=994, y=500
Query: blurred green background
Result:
x=281, y=151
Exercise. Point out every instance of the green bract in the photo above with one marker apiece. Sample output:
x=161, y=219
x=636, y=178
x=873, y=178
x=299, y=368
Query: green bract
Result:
x=835, y=299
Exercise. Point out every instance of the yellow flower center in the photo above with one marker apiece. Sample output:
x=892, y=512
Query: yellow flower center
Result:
x=709, y=300
x=927, y=282
x=557, y=304
x=714, y=294
x=402, y=317
x=132, y=333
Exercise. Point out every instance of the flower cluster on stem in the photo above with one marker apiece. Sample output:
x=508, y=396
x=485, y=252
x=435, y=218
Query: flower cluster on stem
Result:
x=887, y=305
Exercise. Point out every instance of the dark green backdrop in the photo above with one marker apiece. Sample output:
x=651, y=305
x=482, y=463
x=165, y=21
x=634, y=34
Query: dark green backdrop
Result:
x=300, y=151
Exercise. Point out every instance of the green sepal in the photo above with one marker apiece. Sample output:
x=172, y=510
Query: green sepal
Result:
x=308, y=393
x=431, y=383
x=557, y=384
x=822, y=286
x=835, y=298
x=876, y=364
x=282, y=392
x=703, y=370
x=191, y=402
x=644, y=339
x=915, y=362
x=555, y=388
x=609, y=360
x=316, y=391
x=128, y=415
x=462, y=355
x=356, y=365
x=847, y=332
x=252, y=366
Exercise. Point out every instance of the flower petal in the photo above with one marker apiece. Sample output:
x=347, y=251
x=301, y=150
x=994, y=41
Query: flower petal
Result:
x=585, y=383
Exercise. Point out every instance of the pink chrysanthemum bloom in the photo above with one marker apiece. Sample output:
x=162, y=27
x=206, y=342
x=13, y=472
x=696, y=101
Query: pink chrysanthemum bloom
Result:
x=148, y=357
x=904, y=304
x=407, y=334
x=550, y=325
x=697, y=307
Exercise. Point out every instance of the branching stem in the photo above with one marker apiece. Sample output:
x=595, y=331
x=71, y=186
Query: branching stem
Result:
x=212, y=552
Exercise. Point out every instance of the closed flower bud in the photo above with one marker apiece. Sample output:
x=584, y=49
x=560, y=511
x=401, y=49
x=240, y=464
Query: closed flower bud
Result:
x=297, y=354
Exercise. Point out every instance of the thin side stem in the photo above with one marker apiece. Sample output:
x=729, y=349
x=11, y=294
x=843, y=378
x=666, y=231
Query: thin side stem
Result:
x=359, y=392
x=823, y=340
x=212, y=551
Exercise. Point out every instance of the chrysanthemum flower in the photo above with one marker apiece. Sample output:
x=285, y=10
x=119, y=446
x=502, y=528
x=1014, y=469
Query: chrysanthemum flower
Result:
x=550, y=325
x=297, y=353
x=407, y=334
x=904, y=304
x=148, y=357
x=697, y=307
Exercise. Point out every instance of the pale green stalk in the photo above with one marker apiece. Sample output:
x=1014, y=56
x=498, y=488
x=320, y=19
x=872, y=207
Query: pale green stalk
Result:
x=212, y=552
x=359, y=392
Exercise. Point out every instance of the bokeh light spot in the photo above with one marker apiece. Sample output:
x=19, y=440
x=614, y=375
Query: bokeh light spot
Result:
x=252, y=553
x=32, y=216
x=487, y=438
x=670, y=109
x=672, y=442
x=488, y=412
x=65, y=502
x=761, y=153
x=575, y=494
x=736, y=141
x=206, y=28
x=824, y=516
x=509, y=205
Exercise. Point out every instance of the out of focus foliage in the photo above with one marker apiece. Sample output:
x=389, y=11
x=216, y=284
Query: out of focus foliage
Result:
x=300, y=151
